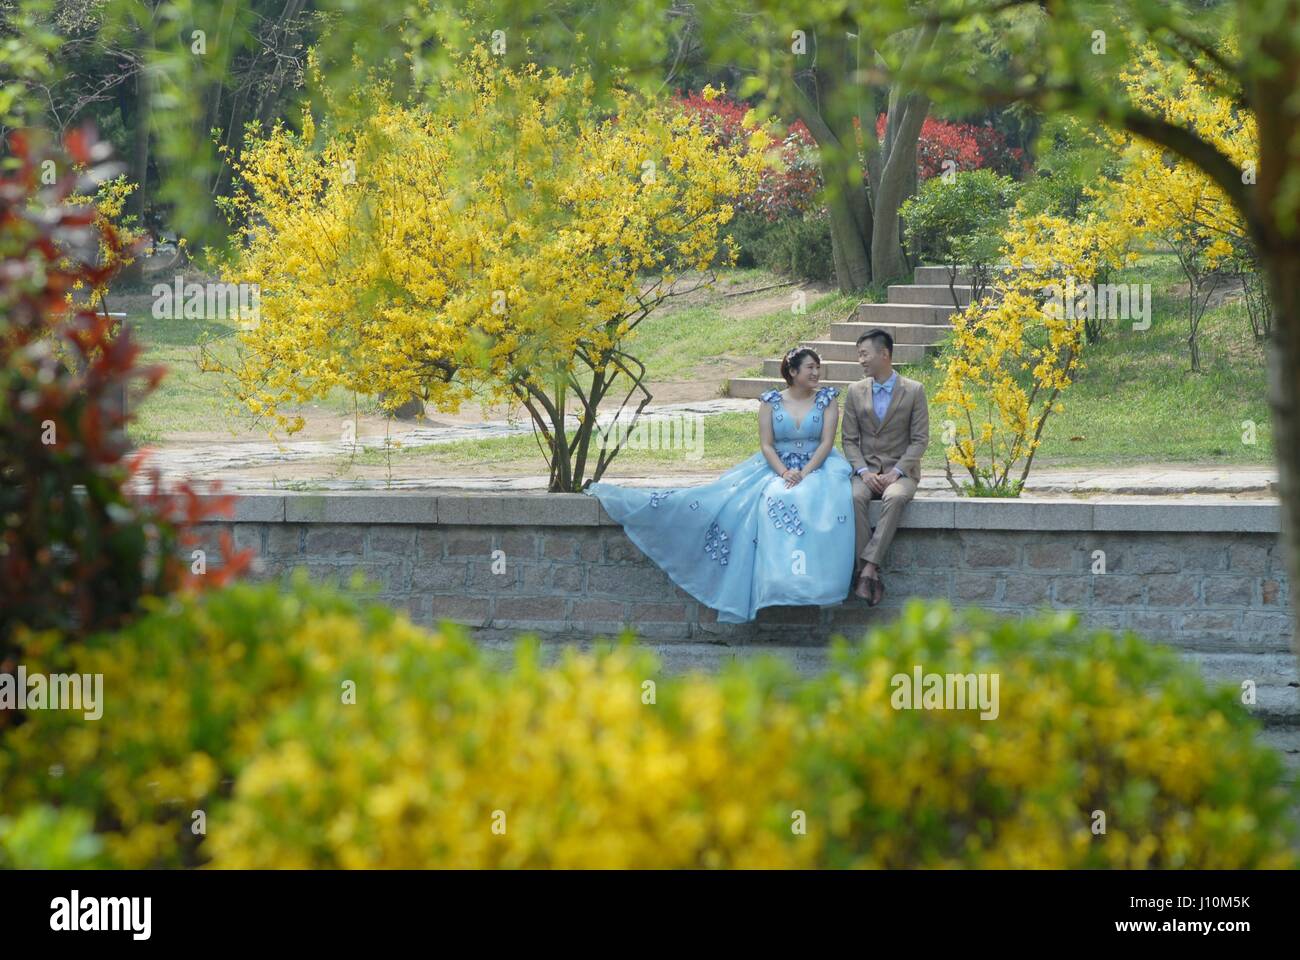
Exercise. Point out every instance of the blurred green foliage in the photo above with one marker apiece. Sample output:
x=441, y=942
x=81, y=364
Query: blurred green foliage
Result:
x=319, y=731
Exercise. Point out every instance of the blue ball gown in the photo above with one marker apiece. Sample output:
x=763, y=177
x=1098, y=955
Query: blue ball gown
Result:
x=745, y=541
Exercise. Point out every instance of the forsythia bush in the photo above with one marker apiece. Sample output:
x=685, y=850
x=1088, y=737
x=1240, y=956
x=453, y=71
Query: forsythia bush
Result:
x=1164, y=197
x=311, y=731
x=1088, y=722
x=185, y=693
x=1013, y=352
x=567, y=762
x=111, y=220
x=498, y=235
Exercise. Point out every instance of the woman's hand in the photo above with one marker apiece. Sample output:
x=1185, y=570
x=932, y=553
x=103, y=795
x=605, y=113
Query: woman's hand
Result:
x=792, y=477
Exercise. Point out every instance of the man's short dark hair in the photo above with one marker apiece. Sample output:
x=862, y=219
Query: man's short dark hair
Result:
x=881, y=339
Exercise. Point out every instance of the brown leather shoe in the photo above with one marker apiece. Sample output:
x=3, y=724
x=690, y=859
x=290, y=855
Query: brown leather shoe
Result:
x=864, y=589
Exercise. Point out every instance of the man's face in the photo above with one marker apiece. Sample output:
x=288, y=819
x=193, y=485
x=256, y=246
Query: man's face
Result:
x=871, y=358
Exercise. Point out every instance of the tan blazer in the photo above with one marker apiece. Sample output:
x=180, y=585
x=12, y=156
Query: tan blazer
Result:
x=899, y=440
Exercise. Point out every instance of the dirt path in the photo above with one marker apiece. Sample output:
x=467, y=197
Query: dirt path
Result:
x=1149, y=480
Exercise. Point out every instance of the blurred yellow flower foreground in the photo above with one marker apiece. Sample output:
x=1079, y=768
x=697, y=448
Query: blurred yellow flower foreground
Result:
x=257, y=728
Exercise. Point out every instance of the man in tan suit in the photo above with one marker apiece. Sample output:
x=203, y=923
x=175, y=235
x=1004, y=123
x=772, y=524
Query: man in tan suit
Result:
x=886, y=431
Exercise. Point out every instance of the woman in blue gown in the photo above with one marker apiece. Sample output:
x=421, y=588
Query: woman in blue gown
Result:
x=776, y=529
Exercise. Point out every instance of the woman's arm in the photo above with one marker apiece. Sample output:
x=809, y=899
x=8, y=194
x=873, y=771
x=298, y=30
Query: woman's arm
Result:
x=827, y=444
x=767, y=441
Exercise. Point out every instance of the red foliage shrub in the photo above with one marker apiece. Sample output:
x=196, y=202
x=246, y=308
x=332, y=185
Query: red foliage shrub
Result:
x=77, y=552
x=969, y=146
x=787, y=187
x=791, y=185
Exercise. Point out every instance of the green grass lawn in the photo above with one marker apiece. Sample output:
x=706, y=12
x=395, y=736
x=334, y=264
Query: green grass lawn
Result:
x=190, y=399
x=681, y=343
x=186, y=396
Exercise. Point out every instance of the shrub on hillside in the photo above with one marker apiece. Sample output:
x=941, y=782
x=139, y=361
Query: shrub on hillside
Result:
x=789, y=186
x=316, y=732
x=1073, y=166
x=798, y=246
x=960, y=222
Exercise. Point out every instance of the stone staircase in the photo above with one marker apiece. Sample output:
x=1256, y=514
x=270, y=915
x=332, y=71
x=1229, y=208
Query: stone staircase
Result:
x=915, y=315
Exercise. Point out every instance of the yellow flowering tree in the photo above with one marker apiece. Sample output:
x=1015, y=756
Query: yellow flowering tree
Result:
x=1162, y=195
x=499, y=236
x=109, y=201
x=1015, y=351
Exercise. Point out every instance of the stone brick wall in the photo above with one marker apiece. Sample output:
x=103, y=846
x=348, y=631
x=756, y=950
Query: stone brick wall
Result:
x=1204, y=576
x=1208, y=578
x=1199, y=591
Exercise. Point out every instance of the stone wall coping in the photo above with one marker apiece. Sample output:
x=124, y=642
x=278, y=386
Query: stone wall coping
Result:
x=937, y=512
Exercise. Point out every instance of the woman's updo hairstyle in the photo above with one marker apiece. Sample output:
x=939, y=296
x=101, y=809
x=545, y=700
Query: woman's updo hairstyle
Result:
x=793, y=360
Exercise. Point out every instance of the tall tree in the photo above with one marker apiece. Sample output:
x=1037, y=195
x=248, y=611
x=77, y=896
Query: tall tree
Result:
x=119, y=58
x=813, y=62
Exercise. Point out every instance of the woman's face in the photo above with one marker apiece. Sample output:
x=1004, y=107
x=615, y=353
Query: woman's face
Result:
x=807, y=374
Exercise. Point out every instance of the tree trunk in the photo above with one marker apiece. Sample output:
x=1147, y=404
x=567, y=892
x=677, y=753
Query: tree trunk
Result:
x=838, y=262
x=864, y=226
x=849, y=245
x=1283, y=270
x=843, y=192
x=410, y=409
x=898, y=171
x=139, y=168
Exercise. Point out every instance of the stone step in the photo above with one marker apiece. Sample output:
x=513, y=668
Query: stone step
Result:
x=846, y=351
x=925, y=276
x=932, y=275
x=751, y=387
x=877, y=314
x=848, y=331
x=837, y=371
x=935, y=294
x=829, y=350
x=917, y=329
